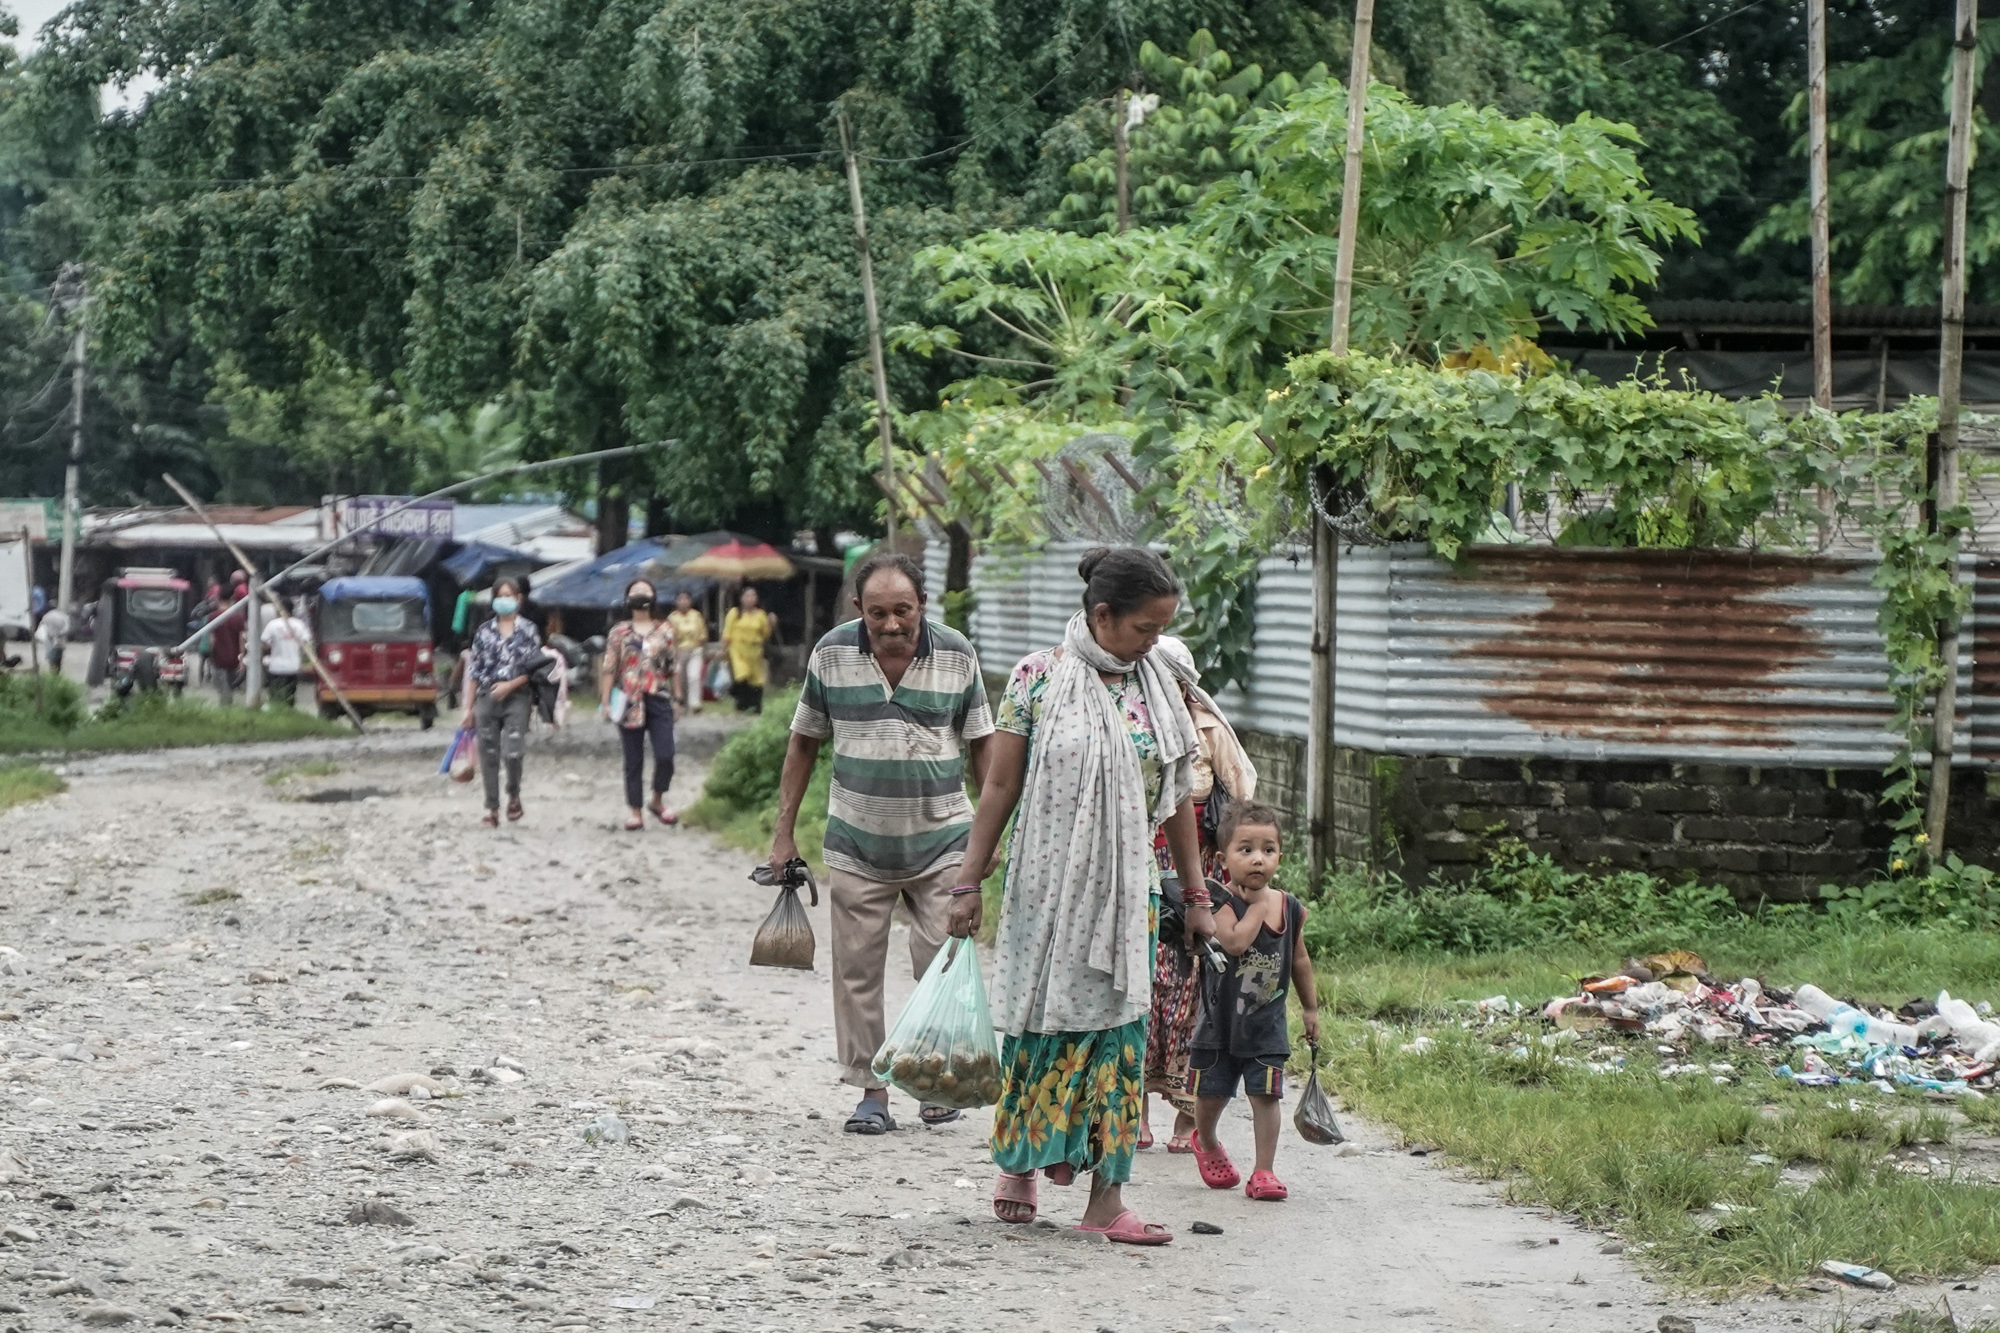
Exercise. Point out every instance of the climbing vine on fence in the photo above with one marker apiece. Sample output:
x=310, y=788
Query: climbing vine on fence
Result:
x=1423, y=454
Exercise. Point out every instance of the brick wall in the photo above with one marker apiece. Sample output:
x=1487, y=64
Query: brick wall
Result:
x=1777, y=833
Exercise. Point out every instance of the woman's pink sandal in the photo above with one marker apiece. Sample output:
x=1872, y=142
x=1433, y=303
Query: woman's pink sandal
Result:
x=1127, y=1229
x=1018, y=1190
x=1267, y=1187
x=1217, y=1171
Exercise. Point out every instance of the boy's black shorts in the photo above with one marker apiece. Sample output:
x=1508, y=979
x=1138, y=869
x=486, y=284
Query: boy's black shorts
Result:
x=1216, y=1074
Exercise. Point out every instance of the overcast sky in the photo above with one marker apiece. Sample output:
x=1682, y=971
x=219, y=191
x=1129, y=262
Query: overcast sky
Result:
x=33, y=14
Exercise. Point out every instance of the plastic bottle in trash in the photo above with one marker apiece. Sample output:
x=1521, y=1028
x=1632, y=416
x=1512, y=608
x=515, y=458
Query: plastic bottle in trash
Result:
x=1845, y=1019
x=1859, y=1275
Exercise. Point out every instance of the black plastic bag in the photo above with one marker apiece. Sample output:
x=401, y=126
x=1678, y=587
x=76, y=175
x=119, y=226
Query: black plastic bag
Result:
x=786, y=937
x=1314, y=1116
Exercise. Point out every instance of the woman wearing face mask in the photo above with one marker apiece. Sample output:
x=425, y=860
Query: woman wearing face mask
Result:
x=636, y=679
x=497, y=699
x=1096, y=747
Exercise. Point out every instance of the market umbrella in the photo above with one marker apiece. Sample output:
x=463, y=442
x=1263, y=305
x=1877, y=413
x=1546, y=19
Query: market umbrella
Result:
x=599, y=585
x=738, y=559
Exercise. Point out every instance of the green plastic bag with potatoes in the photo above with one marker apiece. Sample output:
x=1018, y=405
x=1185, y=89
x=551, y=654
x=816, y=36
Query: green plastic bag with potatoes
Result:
x=942, y=1049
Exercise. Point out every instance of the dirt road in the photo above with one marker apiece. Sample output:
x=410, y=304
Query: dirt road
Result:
x=205, y=964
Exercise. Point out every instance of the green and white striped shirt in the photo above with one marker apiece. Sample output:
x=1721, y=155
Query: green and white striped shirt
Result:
x=898, y=807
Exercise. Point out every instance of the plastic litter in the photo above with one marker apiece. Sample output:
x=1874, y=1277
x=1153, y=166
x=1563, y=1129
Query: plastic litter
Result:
x=606, y=1128
x=1861, y=1277
x=1807, y=1036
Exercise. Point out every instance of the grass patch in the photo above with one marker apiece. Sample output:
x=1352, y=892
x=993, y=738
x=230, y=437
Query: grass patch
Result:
x=156, y=722
x=45, y=713
x=208, y=897
x=1665, y=1159
x=312, y=768
x=739, y=802
x=21, y=783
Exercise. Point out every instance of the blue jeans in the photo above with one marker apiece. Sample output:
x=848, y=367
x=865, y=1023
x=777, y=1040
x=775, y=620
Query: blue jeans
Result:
x=659, y=724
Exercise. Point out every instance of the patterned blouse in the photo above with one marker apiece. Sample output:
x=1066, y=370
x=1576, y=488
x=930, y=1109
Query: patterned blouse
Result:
x=1021, y=709
x=495, y=659
x=641, y=664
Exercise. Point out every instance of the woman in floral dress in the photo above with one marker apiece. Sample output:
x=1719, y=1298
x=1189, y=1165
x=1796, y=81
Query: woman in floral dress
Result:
x=1095, y=746
x=636, y=681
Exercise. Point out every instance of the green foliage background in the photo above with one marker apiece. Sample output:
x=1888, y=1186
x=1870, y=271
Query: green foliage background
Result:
x=335, y=236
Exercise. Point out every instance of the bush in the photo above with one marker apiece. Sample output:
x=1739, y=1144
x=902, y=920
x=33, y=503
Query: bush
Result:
x=1953, y=895
x=46, y=697
x=1518, y=899
x=746, y=773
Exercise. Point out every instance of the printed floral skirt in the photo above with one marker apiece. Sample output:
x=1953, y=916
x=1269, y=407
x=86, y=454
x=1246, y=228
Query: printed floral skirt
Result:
x=1170, y=1036
x=1071, y=1097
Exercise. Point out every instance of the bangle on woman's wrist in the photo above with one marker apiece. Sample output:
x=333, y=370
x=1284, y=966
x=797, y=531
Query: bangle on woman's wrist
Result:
x=965, y=888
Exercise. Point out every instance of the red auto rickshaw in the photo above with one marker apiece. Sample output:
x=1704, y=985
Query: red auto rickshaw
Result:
x=373, y=635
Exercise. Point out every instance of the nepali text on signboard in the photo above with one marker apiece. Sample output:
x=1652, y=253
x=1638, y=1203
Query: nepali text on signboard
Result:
x=387, y=516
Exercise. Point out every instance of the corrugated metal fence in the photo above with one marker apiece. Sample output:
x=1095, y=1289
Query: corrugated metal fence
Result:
x=1701, y=656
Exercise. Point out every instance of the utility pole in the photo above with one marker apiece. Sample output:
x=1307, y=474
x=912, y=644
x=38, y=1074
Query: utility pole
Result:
x=1326, y=553
x=253, y=645
x=882, y=425
x=72, y=292
x=66, y=579
x=1822, y=297
x=1120, y=139
x=1951, y=373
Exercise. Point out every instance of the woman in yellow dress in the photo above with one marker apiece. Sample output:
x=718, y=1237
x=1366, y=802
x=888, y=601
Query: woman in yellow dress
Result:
x=745, y=630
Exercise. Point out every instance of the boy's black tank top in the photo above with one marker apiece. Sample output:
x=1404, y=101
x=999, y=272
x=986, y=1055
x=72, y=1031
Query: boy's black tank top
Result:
x=1243, y=1007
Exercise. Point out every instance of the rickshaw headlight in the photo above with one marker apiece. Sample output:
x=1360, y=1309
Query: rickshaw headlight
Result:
x=423, y=657
x=333, y=656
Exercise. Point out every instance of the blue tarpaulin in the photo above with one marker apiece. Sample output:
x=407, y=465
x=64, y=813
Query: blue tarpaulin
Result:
x=600, y=585
x=375, y=588
x=472, y=561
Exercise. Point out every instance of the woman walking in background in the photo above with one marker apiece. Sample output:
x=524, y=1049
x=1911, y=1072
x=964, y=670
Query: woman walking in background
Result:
x=1096, y=747
x=497, y=699
x=636, y=679
x=690, y=628
x=1223, y=774
x=745, y=631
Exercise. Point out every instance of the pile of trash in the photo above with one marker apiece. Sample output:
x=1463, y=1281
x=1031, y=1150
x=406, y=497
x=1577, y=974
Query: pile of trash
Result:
x=1948, y=1046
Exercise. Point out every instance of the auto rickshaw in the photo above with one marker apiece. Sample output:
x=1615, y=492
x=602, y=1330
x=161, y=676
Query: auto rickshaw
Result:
x=142, y=616
x=373, y=634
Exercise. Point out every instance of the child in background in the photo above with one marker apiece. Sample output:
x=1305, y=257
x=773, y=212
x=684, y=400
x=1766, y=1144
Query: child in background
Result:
x=1243, y=1036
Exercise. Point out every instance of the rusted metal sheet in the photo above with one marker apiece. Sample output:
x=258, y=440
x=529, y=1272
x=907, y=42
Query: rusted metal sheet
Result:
x=1728, y=657
x=1707, y=656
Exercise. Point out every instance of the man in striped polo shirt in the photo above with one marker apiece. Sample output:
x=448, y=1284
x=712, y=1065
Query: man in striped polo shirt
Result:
x=904, y=703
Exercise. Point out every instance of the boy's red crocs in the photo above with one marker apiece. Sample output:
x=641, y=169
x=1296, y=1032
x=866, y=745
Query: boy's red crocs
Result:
x=1267, y=1187
x=1217, y=1171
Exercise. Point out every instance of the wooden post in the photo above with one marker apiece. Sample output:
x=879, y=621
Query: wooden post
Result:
x=264, y=590
x=1120, y=110
x=1326, y=569
x=1350, y=180
x=1951, y=373
x=882, y=425
x=1822, y=297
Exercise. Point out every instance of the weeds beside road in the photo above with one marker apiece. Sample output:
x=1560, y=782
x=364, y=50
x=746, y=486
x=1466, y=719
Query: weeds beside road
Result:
x=1712, y=1167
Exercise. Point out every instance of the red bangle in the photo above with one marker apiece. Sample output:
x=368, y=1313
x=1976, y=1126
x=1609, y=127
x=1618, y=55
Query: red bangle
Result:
x=965, y=888
x=1196, y=901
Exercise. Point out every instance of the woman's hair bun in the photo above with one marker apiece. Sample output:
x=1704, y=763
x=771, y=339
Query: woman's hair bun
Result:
x=1092, y=558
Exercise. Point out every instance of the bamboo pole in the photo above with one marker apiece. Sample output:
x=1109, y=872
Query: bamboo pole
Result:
x=1320, y=752
x=874, y=317
x=1822, y=297
x=1951, y=374
x=243, y=562
x=1120, y=141
x=1350, y=180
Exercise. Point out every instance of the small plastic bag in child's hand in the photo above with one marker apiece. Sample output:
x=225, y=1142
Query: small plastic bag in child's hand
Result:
x=786, y=937
x=464, y=760
x=1314, y=1116
x=942, y=1049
